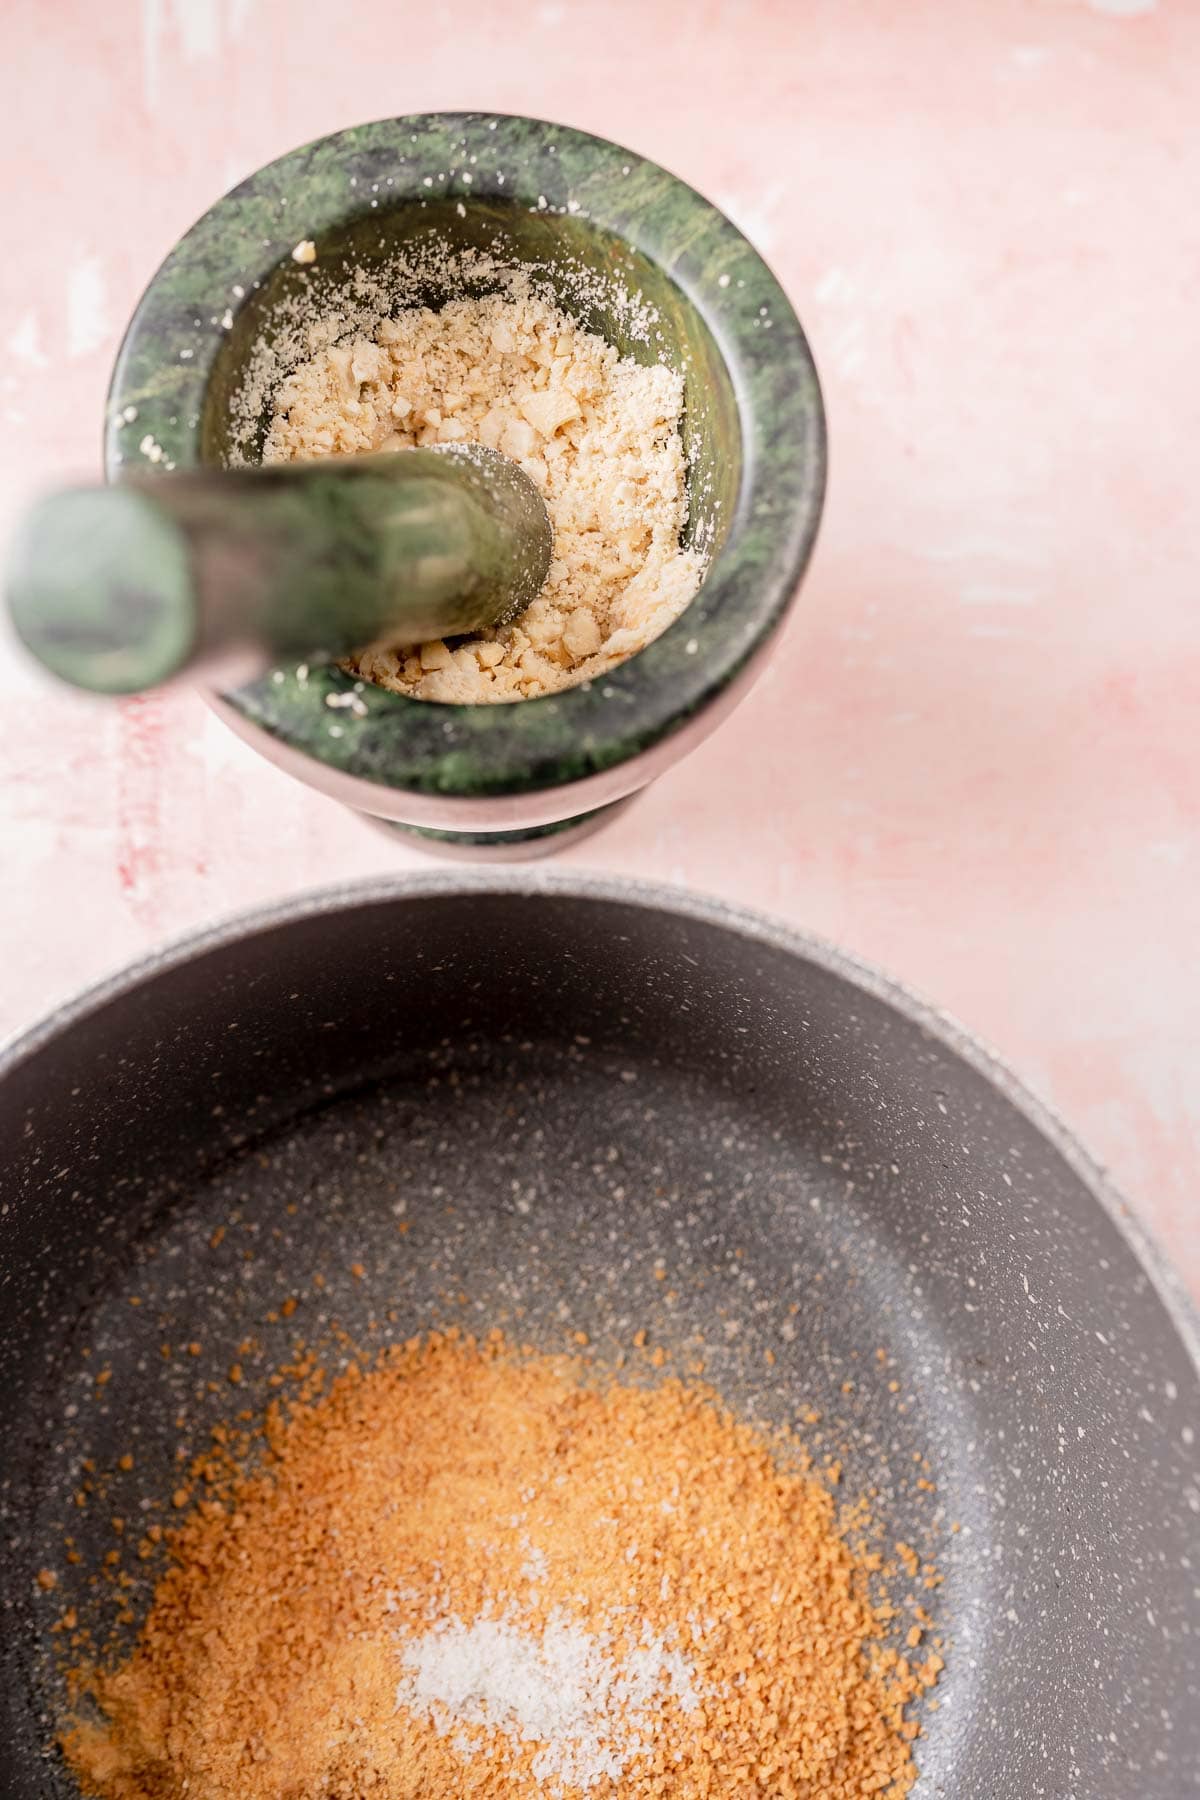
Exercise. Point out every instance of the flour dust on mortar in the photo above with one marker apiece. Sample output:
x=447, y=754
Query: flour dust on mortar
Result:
x=598, y=433
x=463, y=1571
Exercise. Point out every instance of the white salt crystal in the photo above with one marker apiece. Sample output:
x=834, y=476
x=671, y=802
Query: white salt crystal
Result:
x=563, y=1691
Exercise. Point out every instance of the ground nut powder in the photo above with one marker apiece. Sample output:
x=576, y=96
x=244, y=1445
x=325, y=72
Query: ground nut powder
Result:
x=466, y=1573
x=597, y=432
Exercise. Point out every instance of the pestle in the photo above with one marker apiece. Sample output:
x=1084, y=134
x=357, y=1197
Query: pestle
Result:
x=119, y=588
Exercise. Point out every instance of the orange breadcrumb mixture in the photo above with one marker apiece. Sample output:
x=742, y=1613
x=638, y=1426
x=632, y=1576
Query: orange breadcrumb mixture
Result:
x=458, y=1482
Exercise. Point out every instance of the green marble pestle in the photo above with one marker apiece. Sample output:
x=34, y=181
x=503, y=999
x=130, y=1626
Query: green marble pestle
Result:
x=119, y=588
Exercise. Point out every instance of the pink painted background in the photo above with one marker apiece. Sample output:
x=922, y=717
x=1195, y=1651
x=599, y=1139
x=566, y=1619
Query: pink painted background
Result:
x=976, y=759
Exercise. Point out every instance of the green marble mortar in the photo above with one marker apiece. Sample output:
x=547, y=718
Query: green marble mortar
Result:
x=640, y=258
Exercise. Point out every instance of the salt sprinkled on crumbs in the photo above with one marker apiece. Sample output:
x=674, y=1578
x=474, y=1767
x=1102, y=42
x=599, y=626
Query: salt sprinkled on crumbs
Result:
x=700, y=1588
x=564, y=1691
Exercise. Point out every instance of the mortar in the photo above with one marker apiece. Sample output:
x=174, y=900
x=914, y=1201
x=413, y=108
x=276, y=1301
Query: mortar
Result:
x=637, y=256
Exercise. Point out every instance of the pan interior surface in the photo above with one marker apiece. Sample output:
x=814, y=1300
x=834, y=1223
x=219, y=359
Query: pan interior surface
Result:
x=478, y=1104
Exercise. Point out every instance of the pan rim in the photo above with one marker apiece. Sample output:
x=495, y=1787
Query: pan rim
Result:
x=1182, y=1311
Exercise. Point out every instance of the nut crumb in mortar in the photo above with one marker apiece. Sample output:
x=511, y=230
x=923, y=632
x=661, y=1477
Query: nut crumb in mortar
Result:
x=597, y=432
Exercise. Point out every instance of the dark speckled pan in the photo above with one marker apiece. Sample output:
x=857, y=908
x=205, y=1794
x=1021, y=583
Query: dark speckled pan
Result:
x=563, y=1084
x=585, y=216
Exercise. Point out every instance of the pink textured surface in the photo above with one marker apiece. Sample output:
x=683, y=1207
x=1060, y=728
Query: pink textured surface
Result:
x=976, y=758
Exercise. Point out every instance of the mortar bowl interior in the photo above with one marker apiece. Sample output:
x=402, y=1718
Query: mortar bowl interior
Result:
x=425, y=253
x=415, y=211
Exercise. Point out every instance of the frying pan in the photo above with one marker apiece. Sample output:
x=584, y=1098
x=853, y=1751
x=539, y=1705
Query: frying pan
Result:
x=556, y=1085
